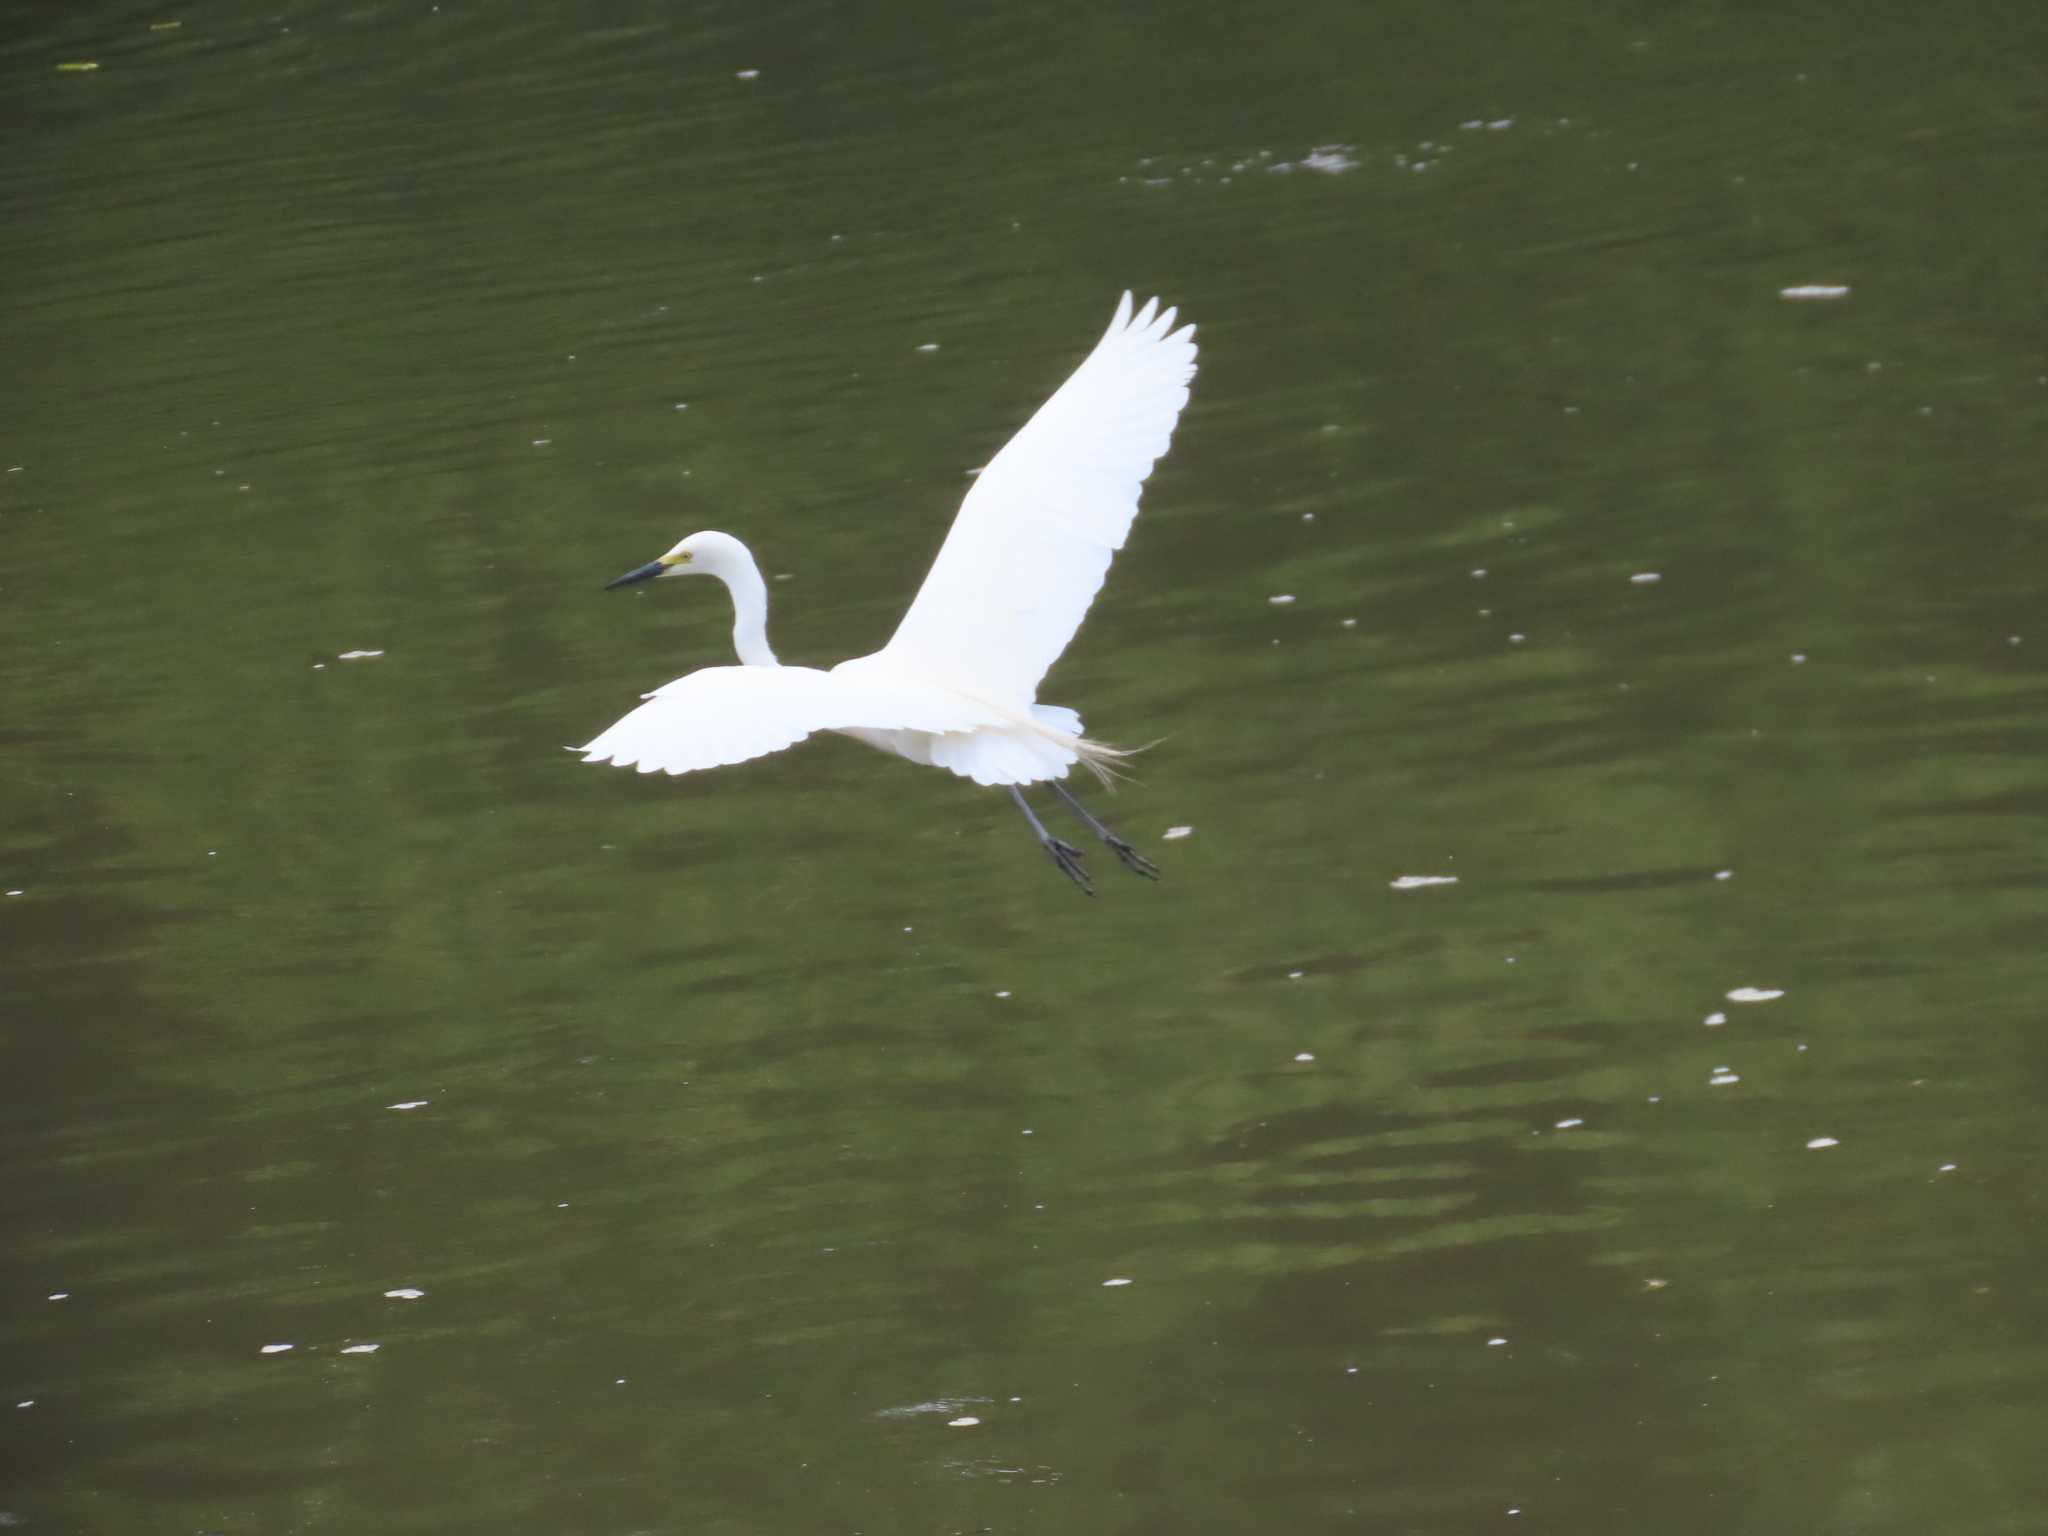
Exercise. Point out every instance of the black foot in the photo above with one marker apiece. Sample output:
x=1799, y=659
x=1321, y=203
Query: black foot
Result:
x=1068, y=857
x=1133, y=860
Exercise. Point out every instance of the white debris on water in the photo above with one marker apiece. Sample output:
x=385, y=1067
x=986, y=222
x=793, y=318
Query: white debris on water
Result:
x=405, y=1293
x=1304, y=1056
x=1715, y=1020
x=1118, y=1280
x=410, y=1104
x=965, y=1421
x=1417, y=882
x=274, y=1349
x=1646, y=578
x=746, y=74
x=1722, y=1078
x=1756, y=994
x=1819, y=1142
x=361, y=1349
x=928, y=346
x=1724, y=874
x=1569, y=1125
x=1281, y=599
x=1175, y=834
x=1809, y=293
x=359, y=655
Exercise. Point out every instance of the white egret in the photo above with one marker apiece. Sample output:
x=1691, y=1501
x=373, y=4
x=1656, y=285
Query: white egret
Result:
x=956, y=687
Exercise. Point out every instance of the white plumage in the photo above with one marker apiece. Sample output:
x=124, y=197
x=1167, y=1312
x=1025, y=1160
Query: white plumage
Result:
x=956, y=687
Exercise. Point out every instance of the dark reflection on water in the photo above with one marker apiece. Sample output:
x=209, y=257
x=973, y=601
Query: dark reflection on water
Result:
x=766, y=1125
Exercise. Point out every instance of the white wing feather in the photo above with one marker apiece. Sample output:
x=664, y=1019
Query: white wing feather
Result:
x=726, y=715
x=1033, y=540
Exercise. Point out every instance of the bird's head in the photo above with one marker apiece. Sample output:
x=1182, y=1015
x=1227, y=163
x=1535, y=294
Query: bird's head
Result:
x=701, y=554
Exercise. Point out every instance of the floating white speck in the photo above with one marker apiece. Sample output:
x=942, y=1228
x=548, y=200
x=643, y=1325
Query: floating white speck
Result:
x=1281, y=599
x=1819, y=1142
x=1175, y=834
x=1347, y=624
x=14, y=893
x=1479, y=574
x=60, y=1295
x=274, y=1349
x=965, y=1421
x=361, y=1349
x=1330, y=159
x=1715, y=1020
x=1308, y=517
x=1724, y=874
x=746, y=74
x=928, y=346
x=1119, y=1280
x=405, y=1293
x=1946, y=1168
x=1516, y=639
x=1723, y=1078
x=1304, y=1055
x=682, y=405
x=1002, y=994
x=1756, y=994
x=1813, y=292
x=1495, y=1342
x=1799, y=658
x=410, y=1104
x=1296, y=975
x=26, y=1402
x=542, y=442
x=359, y=655
x=1646, y=578
x=1569, y=1125
x=1417, y=882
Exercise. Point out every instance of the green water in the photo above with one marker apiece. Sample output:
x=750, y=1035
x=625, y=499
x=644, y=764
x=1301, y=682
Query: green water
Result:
x=778, y=1118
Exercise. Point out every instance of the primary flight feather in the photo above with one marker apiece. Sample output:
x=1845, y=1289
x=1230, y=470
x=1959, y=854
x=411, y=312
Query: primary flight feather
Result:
x=957, y=684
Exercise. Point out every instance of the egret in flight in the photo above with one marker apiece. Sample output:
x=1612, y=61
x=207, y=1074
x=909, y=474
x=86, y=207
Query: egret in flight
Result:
x=957, y=685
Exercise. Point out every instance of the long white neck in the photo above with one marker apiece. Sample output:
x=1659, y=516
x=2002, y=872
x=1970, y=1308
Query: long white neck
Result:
x=749, y=614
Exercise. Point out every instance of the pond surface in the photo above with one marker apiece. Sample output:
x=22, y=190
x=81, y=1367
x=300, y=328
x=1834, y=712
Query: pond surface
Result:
x=1580, y=1071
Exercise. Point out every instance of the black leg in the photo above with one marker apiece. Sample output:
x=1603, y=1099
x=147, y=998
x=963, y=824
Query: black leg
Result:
x=1066, y=855
x=1133, y=860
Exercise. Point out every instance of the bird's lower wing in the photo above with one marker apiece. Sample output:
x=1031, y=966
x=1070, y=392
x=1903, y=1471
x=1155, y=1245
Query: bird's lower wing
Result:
x=730, y=714
x=1033, y=539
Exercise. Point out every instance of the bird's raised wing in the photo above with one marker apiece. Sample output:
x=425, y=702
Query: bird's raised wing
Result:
x=729, y=714
x=1033, y=540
